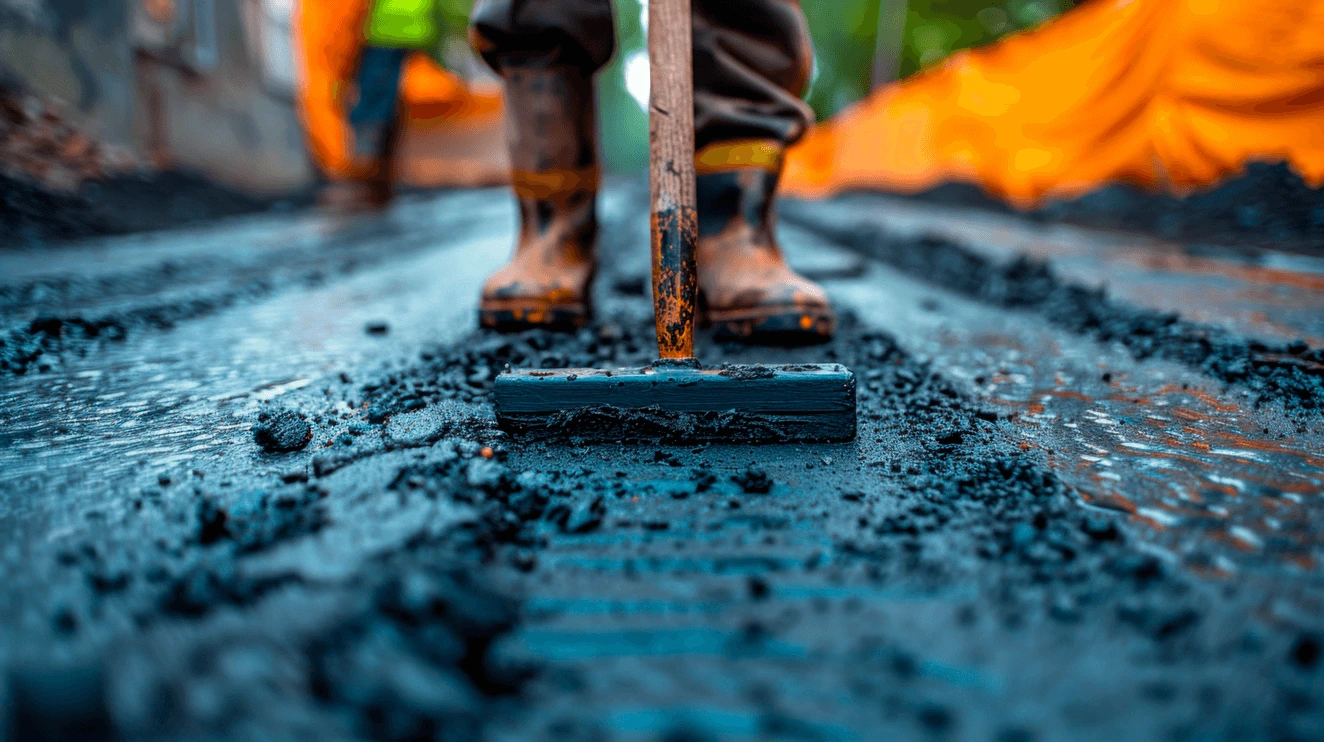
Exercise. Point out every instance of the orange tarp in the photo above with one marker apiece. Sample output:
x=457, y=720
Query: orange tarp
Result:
x=453, y=132
x=1165, y=94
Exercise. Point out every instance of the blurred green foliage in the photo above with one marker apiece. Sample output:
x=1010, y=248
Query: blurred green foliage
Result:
x=845, y=32
x=936, y=28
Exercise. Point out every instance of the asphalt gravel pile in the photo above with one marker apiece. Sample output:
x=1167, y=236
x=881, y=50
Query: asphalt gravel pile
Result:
x=264, y=605
x=1268, y=205
x=1288, y=373
x=32, y=214
x=48, y=319
x=40, y=343
x=44, y=338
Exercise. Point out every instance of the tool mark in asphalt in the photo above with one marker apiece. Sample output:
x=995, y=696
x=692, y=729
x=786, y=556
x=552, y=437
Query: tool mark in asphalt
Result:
x=47, y=317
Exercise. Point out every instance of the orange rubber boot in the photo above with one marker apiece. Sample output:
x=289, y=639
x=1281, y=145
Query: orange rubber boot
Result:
x=555, y=177
x=746, y=290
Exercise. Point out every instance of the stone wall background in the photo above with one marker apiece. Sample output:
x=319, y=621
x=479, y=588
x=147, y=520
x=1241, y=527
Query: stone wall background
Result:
x=209, y=92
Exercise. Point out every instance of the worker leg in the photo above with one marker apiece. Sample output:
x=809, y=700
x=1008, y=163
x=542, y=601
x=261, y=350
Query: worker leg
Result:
x=374, y=116
x=374, y=123
x=752, y=61
x=547, y=52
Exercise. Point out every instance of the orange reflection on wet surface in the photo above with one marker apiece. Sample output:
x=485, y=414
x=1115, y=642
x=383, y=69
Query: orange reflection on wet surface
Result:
x=1222, y=487
x=1181, y=263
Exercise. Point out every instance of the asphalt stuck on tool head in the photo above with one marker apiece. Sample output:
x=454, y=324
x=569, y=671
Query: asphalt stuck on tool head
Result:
x=681, y=401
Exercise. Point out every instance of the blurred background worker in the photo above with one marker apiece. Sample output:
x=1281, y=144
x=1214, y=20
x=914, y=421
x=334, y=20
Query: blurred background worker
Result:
x=752, y=62
x=380, y=109
x=394, y=29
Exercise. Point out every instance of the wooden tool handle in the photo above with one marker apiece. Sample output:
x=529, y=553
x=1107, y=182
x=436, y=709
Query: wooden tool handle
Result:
x=671, y=176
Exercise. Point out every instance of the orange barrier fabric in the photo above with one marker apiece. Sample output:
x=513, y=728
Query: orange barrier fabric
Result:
x=328, y=35
x=1165, y=94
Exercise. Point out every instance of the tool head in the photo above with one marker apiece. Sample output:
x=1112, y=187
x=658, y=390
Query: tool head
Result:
x=679, y=401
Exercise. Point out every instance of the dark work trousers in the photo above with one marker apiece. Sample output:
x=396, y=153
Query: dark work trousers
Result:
x=373, y=117
x=752, y=61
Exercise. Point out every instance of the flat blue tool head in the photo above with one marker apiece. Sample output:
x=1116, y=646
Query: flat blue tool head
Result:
x=678, y=401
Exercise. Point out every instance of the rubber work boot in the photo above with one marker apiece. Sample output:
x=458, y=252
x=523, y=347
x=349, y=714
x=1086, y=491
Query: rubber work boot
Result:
x=368, y=187
x=555, y=177
x=746, y=290
x=356, y=196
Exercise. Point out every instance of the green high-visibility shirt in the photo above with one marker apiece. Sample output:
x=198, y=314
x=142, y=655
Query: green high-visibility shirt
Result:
x=404, y=24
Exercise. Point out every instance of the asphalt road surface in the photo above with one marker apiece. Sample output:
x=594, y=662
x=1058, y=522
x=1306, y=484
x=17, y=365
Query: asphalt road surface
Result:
x=251, y=488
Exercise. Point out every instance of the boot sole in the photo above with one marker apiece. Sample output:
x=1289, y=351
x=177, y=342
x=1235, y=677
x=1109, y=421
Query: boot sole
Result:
x=789, y=325
x=515, y=315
